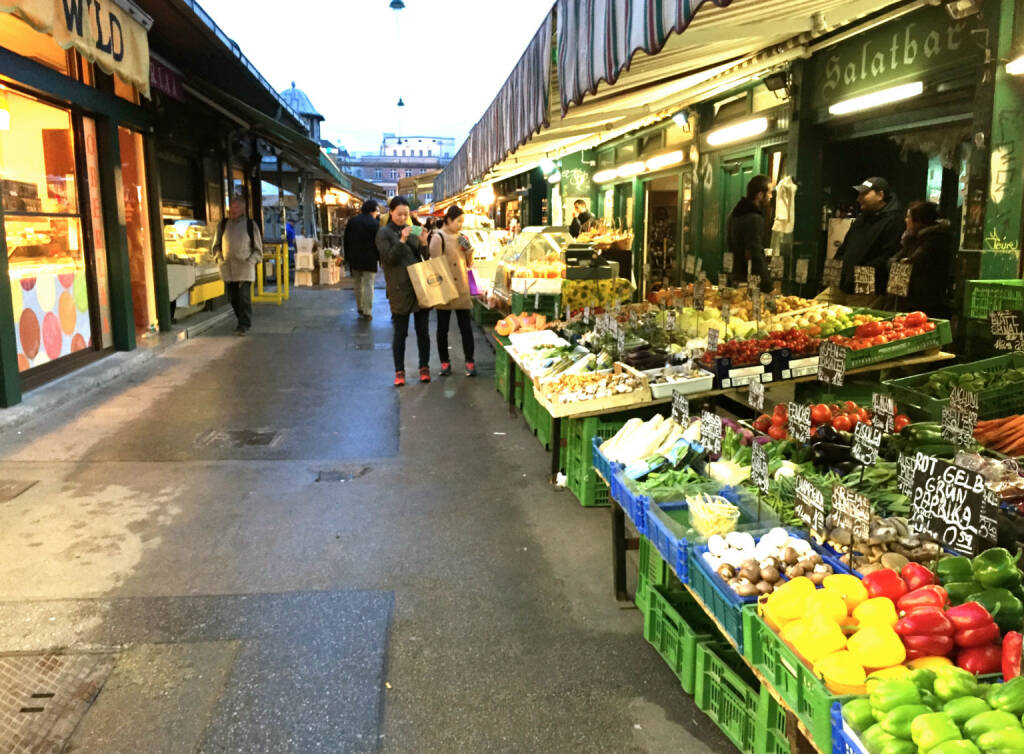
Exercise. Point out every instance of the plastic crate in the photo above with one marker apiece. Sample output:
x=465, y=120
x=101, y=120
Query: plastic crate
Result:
x=984, y=296
x=723, y=602
x=548, y=304
x=940, y=336
x=652, y=571
x=770, y=736
x=673, y=625
x=484, y=316
x=978, y=341
x=992, y=403
x=635, y=505
x=728, y=693
x=579, y=453
x=796, y=683
x=666, y=525
x=602, y=465
x=501, y=371
x=843, y=740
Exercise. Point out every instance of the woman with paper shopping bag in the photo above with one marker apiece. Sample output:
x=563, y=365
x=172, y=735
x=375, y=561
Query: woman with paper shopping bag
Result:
x=454, y=248
x=400, y=249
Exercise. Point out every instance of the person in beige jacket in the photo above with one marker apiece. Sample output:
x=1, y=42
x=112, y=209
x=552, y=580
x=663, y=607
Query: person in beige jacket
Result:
x=239, y=247
x=458, y=252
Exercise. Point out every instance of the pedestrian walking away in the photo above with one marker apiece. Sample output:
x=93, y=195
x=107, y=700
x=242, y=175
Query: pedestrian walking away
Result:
x=400, y=247
x=361, y=253
x=238, y=247
x=448, y=242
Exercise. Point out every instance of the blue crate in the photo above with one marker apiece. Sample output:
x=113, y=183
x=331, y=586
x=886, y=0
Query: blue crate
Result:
x=667, y=536
x=602, y=465
x=843, y=741
x=634, y=504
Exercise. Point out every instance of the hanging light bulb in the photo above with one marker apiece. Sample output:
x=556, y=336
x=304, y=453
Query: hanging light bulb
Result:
x=401, y=102
x=397, y=5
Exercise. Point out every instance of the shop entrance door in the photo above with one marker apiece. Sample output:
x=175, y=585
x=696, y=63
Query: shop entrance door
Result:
x=136, y=214
x=661, y=232
x=735, y=175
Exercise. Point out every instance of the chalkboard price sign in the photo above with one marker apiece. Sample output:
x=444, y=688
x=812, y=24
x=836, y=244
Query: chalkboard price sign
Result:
x=810, y=504
x=883, y=412
x=670, y=320
x=712, y=339
x=851, y=510
x=833, y=272
x=680, y=408
x=803, y=269
x=727, y=261
x=864, y=280
x=755, y=396
x=723, y=280
x=959, y=418
x=800, y=421
x=899, y=279
x=777, y=265
x=831, y=363
x=711, y=432
x=866, y=442
x=948, y=503
x=905, y=474
x=754, y=283
x=698, y=294
x=1008, y=330
x=726, y=312
x=759, y=467
x=690, y=265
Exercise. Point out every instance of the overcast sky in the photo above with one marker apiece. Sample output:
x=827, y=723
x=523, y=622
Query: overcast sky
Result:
x=355, y=58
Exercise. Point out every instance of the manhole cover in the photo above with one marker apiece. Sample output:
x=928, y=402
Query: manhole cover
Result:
x=238, y=438
x=342, y=473
x=11, y=489
x=43, y=697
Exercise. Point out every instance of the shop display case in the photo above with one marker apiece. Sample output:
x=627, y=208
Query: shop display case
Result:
x=193, y=275
x=532, y=263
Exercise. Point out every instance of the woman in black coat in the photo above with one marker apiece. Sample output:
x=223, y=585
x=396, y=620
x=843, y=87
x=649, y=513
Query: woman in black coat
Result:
x=928, y=248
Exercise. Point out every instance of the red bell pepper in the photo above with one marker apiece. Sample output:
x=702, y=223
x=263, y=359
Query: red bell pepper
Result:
x=980, y=660
x=977, y=637
x=925, y=620
x=927, y=645
x=917, y=575
x=885, y=583
x=929, y=595
x=969, y=615
x=1012, y=643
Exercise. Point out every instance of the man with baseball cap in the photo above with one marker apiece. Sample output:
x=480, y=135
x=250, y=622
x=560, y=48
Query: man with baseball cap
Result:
x=873, y=239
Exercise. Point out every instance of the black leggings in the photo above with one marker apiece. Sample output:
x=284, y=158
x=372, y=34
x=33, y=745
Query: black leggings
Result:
x=400, y=322
x=444, y=320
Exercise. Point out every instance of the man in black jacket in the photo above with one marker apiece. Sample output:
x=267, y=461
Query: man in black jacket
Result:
x=745, y=232
x=362, y=256
x=581, y=219
x=872, y=241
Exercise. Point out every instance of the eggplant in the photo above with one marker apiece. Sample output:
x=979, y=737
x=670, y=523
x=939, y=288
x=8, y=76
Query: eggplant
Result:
x=826, y=432
x=830, y=453
x=845, y=467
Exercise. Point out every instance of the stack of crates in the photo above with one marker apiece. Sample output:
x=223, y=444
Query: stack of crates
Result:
x=483, y=316
x=330, y=272
x=501, y=377
x=980, y=298
x=581, y=477
x=548, y=304
x=305, y=265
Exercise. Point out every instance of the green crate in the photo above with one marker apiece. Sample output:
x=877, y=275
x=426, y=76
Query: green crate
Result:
x=729, y=693
x=897, y=349
x=652, y=572
x=589, y=489
x=770, y=736
x=673, y=625
x=501, y=371
x=979, y=342
x=796, y=683
x=483, y=316
x=548, y=304
x=992, y=404
x=984, y=296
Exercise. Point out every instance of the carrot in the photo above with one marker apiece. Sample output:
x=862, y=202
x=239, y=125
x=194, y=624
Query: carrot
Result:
x=1007, y=440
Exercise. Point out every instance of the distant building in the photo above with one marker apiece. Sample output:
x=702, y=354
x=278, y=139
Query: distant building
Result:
x=399, y=157
x=419, y=187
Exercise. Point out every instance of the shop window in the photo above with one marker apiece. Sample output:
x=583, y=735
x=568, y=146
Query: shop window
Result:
x=125, y=91
x=19, y=37
x=43, y=228
x=652, y=142
x=136, y=214
x=606, y=159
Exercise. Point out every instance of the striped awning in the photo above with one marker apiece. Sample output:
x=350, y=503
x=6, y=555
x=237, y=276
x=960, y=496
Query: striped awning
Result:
x=598, y=38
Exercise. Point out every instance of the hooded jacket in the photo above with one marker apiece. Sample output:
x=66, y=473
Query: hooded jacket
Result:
x=930, y=254
x=872, y=241
x=395, y=257
x=360, y=242
x=745, y=238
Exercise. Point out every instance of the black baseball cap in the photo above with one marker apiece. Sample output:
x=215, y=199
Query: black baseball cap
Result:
x=873, y=184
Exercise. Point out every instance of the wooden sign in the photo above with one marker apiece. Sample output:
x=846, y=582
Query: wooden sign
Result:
x=851, y=510
x=1007, y=330
x=864, y=280
x=833, y=272
x=711, y=432
x=810, y=504
x=831, y=363
x=899, y=279
x=866, y=442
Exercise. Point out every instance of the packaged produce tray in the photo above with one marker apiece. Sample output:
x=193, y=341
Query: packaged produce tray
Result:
x=674, y=624
x=635, y=397
x=992, y=403
x=940, y=336
x=728, y=376
x=728, y=693
x=984, y=296
x=686, y=386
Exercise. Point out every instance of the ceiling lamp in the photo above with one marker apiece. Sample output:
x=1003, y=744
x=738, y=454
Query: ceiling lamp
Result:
x=876, y=99
x=681, y=119
x=667, y=160
x=737, y=132
x=547, y=166
x=631, y=168
x=555, y=177
x=401, y=103
x=397, y=5
x=1016, y=66
x=961, y=9
x=603, y=176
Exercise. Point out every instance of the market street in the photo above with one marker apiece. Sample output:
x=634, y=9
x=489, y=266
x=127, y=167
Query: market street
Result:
x=432, y=592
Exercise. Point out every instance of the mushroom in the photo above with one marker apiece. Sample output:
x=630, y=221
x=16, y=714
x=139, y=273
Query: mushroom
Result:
x=790, y=556
x=894, y=560
x=764, y=587
x=794, y=571
x=726, y=571
x=750, y=573
x=769, y=574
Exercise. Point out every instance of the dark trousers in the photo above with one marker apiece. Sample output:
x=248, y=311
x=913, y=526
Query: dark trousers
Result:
x=400, y=322
x=444, y=320
x=240, y=296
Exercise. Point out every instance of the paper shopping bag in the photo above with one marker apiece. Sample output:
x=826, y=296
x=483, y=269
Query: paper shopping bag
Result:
x=432, y=282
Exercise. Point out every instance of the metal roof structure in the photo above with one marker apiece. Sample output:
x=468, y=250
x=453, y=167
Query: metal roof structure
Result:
x=299, y=101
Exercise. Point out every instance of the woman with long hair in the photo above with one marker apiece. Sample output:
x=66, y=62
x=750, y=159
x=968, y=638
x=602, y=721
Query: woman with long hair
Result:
x=928, y=248
x=456, y=249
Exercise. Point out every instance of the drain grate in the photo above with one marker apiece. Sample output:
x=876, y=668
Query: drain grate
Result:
x=12, y=488
x=369, y=346
x=342, y=473
x=43, y=697
x=238, y=438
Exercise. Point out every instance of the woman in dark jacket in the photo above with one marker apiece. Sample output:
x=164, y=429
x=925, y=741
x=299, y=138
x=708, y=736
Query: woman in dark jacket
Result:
x=928, y=248
x=399, y=247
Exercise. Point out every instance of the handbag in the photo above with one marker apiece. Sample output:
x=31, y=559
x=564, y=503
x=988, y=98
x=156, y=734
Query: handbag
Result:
x=474, y=289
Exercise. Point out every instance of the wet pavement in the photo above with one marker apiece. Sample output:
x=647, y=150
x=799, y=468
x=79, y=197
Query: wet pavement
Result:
x=284, y=553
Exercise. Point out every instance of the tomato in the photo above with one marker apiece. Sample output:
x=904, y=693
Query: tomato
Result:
x=900, y=421
x=928, y=326
x=854, y=420
x=916, y=319
x=777, y=433
x=879, y=340
x=762, y=423
x=842, y=423
x=779, y=420
x=863, y=416
x=849, y=406
x=820, y=414
x=834, y=408
x=868, y=330
x=887, y=326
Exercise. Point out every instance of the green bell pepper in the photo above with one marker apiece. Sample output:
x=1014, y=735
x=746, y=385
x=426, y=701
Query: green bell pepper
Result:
x=964, y=708
x=875, y=739
x=1006, y=609
x=899, y=746
x=1009, y=696
x=996, y=567
x=1002, y=741
x=928, y=731
x=954, y=569
x=952, y=683
x=897, y=721
x=923, y=678
x=955, y=747
x=986, y=721
x=857, y=714
x=889, y=694
x=929, y=699
x=959, y=591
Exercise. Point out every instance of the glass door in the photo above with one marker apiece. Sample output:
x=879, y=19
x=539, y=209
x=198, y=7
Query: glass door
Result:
x=136, y=214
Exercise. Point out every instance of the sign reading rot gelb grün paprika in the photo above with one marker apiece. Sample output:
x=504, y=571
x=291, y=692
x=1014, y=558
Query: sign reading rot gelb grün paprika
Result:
x=951, y=505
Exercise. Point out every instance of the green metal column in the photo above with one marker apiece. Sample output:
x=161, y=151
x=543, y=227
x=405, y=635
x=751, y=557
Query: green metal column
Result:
x=639, y=271
x=122, y=318
x=10, y=380
x=156, y=235
x=806, y=149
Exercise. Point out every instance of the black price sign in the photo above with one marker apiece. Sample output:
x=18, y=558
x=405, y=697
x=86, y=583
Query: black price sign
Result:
x=777, y=265
x=1007, y=330
x=810, y=504
x=670, y=320
x=803, y=268
x=905, y=474
x=959, y=418
x=800, y=422
x=712, y=339
x=866, y=442
x=883, y=412
x=899, y=279
x=753, y=284
x=680, y=408
x=759, y=467
x=864, y=280
x=711, y=432
x=727, y=262
x=949, y=503
x=833, y=272
x=726, y=312
x=831, y=363
x=698, y=295
x=723, y=280
x=755, y=396
x=851, y=510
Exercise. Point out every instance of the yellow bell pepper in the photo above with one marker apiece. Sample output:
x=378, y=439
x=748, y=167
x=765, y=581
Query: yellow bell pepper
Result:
x=842, y=673
x=787, y=601
x=850, y=588
x=880, y=610
x=929, y=663
x=822, y=637
x=828, y=603
x=877, y=646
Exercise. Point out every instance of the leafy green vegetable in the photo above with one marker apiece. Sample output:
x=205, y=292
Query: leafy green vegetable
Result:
x=941, y=383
